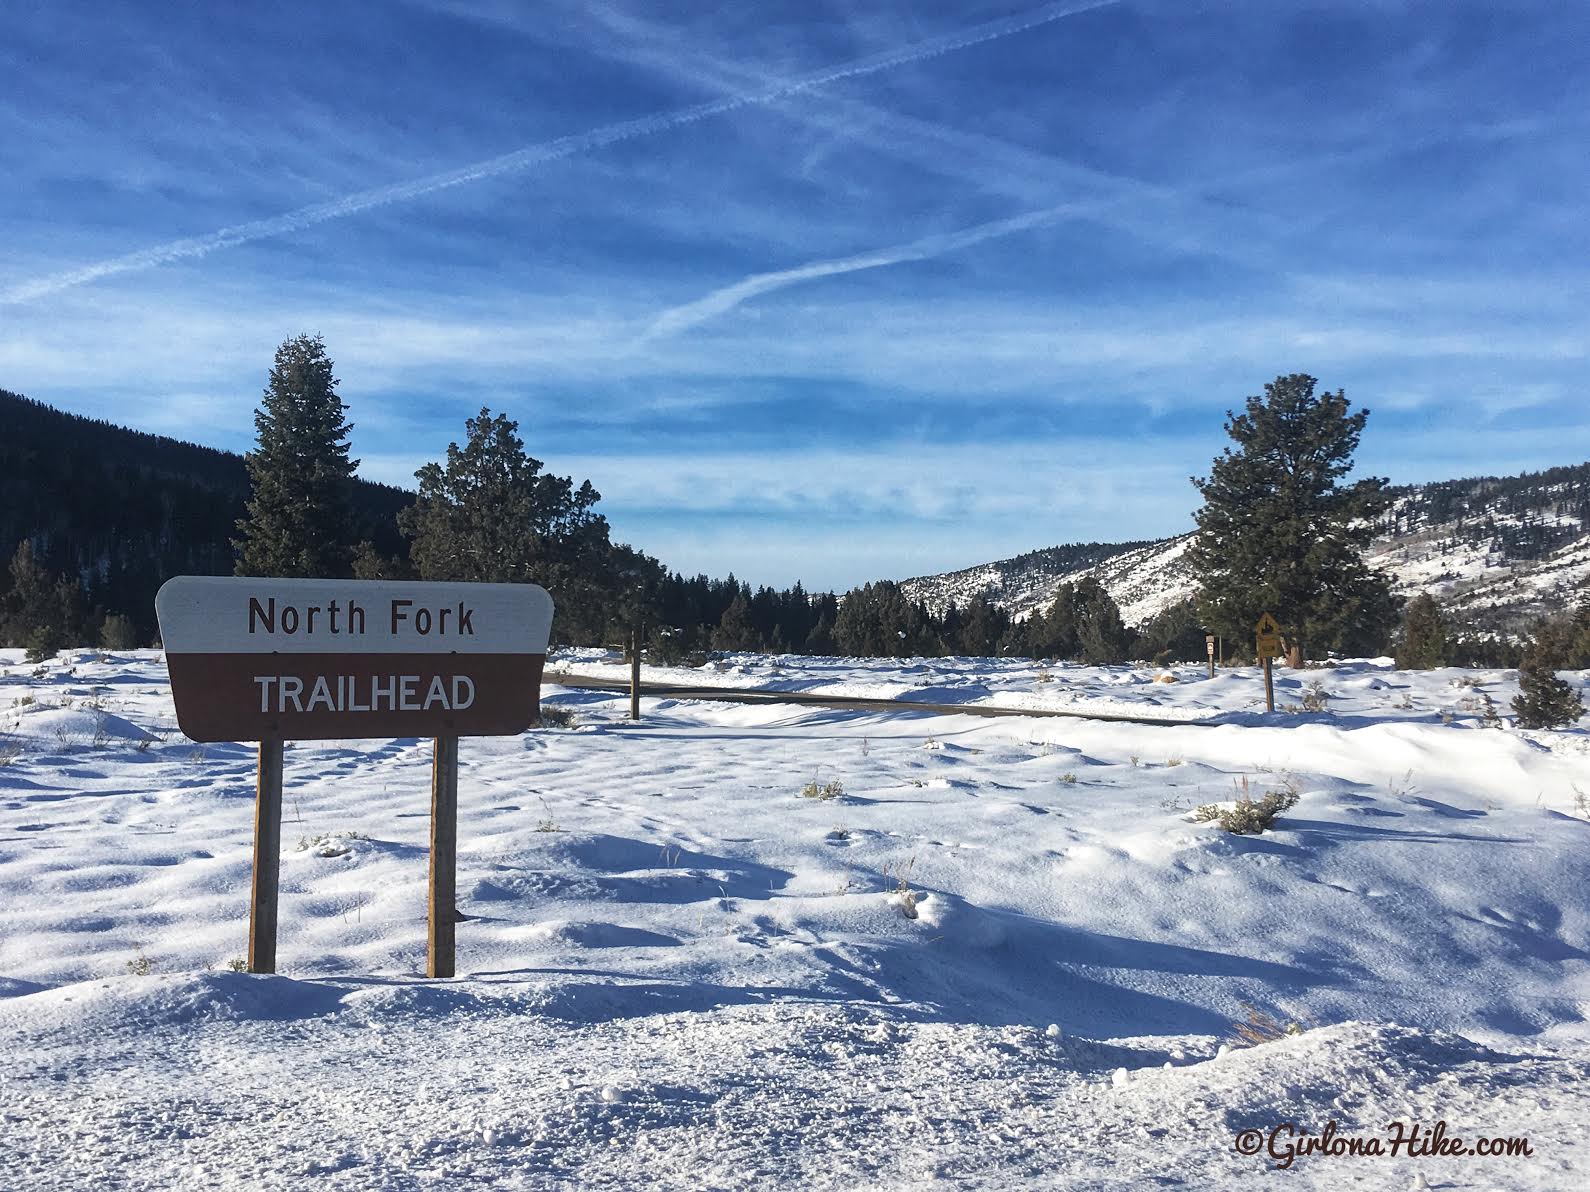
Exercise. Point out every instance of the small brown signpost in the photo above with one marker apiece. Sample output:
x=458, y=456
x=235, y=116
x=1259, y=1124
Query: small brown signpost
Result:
x=1267, y=645
x=273, y=660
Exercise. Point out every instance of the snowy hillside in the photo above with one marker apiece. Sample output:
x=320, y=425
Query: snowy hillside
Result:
x=1004, y=952
x=1497, y=552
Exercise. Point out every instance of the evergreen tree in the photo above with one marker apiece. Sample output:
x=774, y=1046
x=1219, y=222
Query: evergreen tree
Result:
x=1101, y=633
x=369, y=563
x=491, y=515
x=1172, y=635
x=671, y=645
x=1424, y=641
x=950, y=624
x=1564, y=640
x=763, y=609
x=1488, y=651
x=878, y=621
x=1016, y=642
x=118, y=633
x=1544, y=700
x=820, y=641
x=859, y=629
x=980, y=628
x=735, y=631
x=299, y=520
x=1577, y=654
x=40, y=610
x=1057, y=636
x=1279, y=533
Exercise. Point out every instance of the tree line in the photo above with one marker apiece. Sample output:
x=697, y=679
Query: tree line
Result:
x=102, y=516
x=1281, y=530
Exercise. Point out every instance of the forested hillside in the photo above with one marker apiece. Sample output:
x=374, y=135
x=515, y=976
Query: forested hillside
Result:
x=123, y=510
x=1522, y=518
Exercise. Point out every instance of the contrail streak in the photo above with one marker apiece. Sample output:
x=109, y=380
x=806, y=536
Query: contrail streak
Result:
x=691, y=314
x=532, y=156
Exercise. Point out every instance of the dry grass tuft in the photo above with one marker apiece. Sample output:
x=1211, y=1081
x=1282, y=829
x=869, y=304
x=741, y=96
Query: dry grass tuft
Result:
x=1260, y=1027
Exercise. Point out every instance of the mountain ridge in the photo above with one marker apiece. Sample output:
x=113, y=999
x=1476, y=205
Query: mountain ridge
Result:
x=1497, y=552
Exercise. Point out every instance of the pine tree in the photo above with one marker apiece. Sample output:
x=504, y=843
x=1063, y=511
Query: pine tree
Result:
x=1544, y=700
x=41, y=611
x=1279, y=533
x=1424, y=641
x=1564, y=640
x=1016, y=642
x=299, y=521
x=1174, y=634
x=860, y=629
x=878, y=621
x=369, y=563
x=1058, y=636
x=491, y=515
x=820, y=641
x=118, y=633
x=980, y=628
x=1101, y=633
x=1577, y=655
x=735, y=631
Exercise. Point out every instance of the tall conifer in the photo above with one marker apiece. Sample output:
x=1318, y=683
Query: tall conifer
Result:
x=1101, y=634
x=490, y=514
x=1280, y=533
x=735, y=631
x=299, y=520
x=1424, y=639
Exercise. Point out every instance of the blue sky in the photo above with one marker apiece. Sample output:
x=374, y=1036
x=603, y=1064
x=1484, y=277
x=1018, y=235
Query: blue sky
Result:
x=813, y=290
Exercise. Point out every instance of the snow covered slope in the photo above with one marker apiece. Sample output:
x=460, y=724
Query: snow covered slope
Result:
x=1003, y=954
x=1498, y=552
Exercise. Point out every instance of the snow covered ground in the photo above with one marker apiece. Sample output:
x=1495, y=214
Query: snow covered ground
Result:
x=1353, y=692
x=1004, y=955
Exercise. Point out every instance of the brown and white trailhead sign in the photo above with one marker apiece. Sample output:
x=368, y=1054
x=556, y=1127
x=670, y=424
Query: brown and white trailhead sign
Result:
x=273, y=660
x=316, y=659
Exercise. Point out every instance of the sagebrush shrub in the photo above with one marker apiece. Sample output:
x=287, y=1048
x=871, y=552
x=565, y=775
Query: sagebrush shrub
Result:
x=1249, y=816
x=1263, y=1028
x=1315, y=697
x=828, y=790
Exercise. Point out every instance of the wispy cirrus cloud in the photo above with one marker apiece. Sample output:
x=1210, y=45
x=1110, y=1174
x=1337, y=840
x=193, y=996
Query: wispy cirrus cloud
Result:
x=819, y=319
x=533, y=156
x=721, y=301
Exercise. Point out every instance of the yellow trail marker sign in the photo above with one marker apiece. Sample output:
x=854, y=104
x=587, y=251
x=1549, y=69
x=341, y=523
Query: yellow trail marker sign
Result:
x=1267, y=645
x=1267, y=637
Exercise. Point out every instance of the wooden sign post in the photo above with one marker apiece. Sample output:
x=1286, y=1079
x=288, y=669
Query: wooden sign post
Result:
x=267, y=859
x=1209, y=644
x=273, y=660
x=1267, y=645
x=442, y=899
